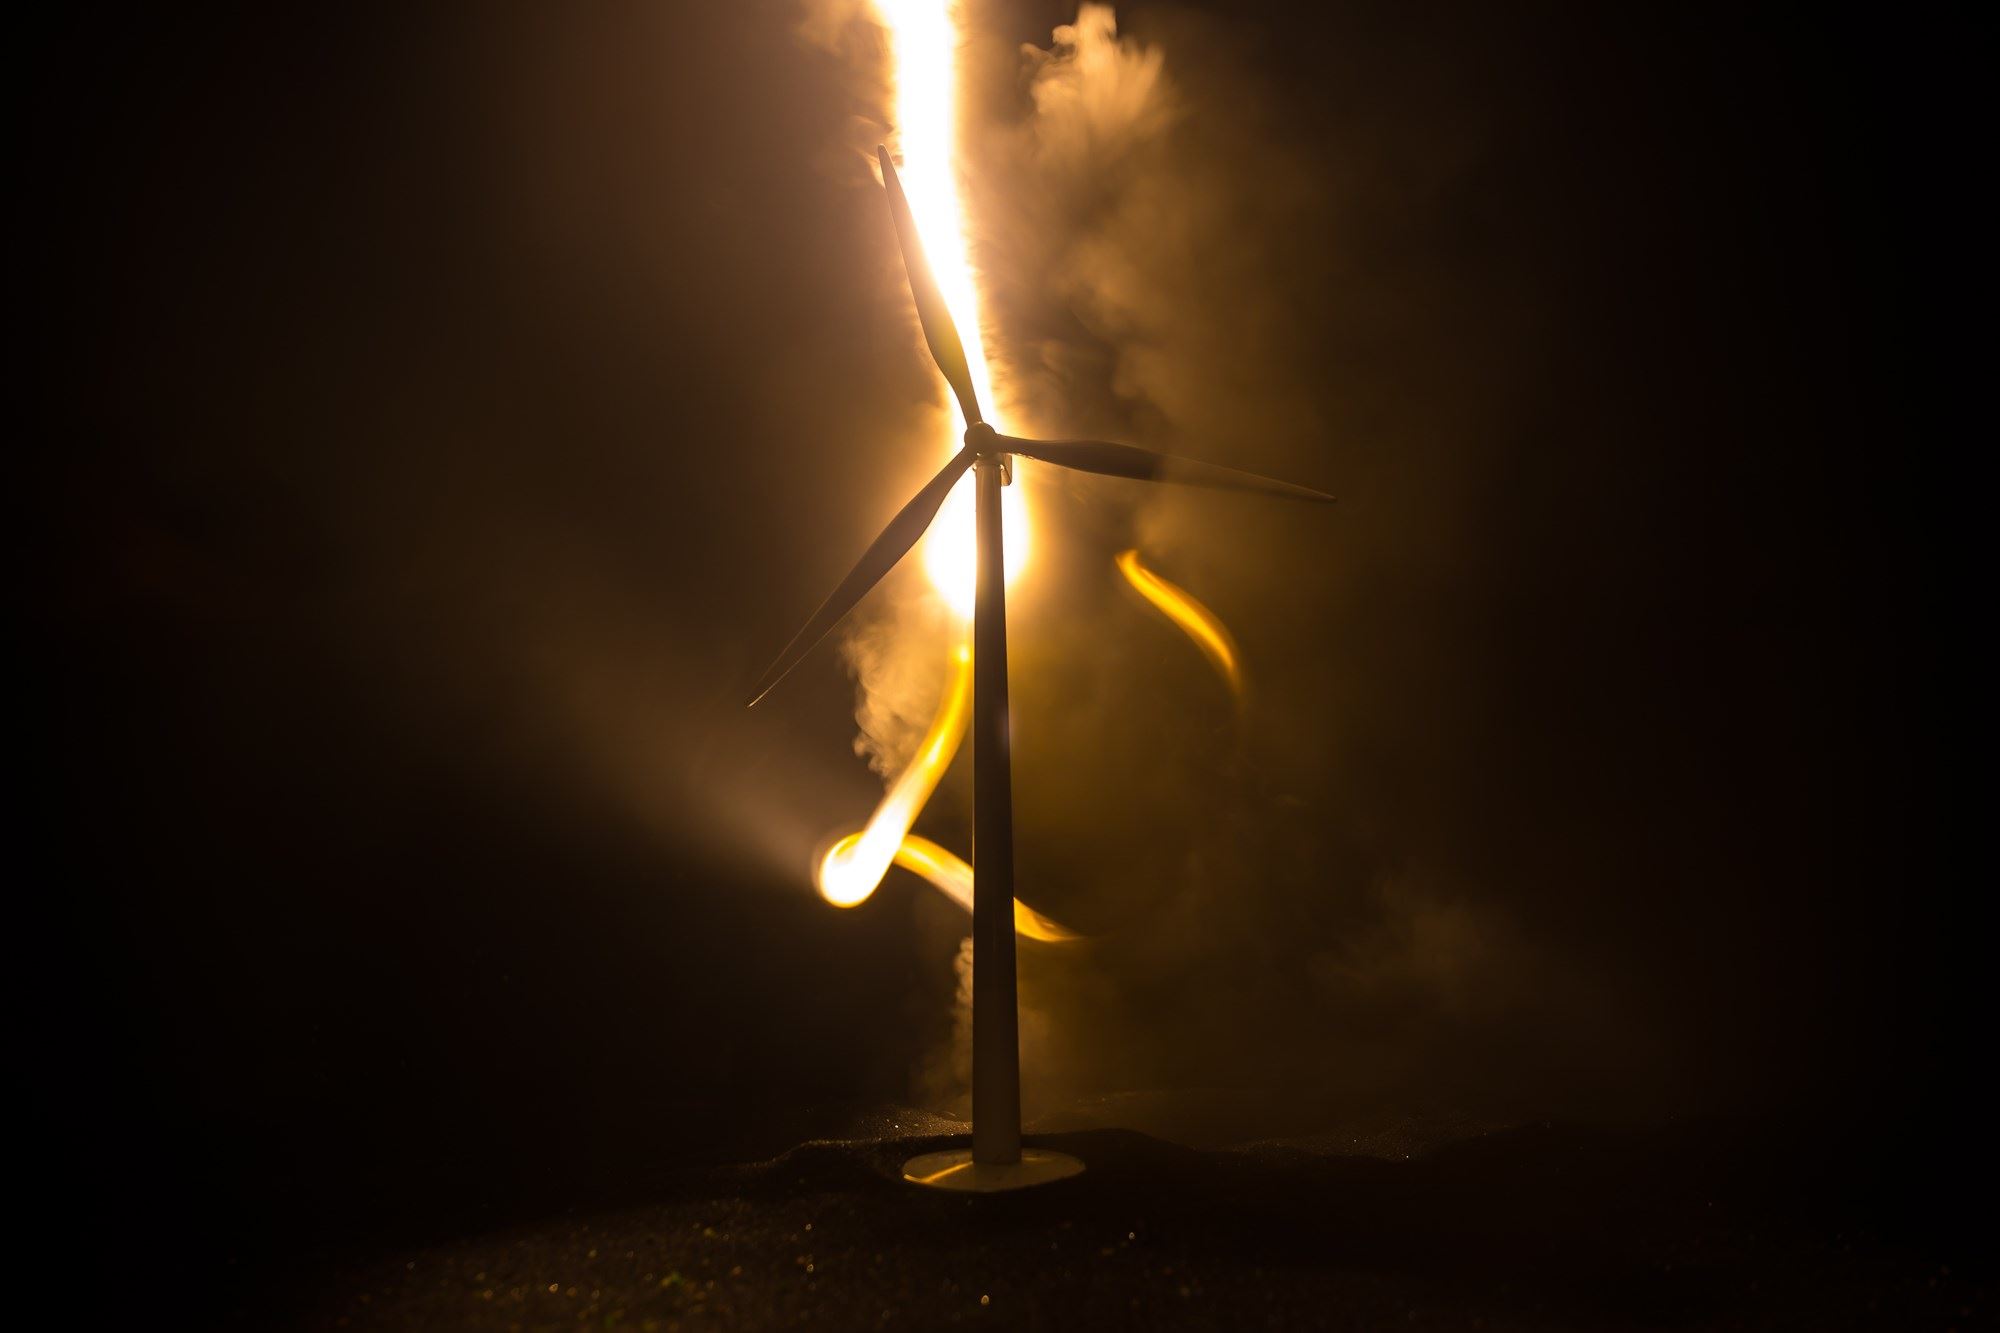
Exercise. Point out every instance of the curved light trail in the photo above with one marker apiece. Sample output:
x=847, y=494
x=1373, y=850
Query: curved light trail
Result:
x=1190, y=616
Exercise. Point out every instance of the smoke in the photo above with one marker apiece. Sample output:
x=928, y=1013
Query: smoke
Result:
x=1153, y=274
x=944, y=1077
x=1137, y=241
x=1096, y=101
x=896, y=653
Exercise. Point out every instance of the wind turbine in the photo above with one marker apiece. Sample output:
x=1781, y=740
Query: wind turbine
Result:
x=996, y=1160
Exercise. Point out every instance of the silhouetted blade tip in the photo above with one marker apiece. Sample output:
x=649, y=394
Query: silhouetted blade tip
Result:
x=890, y=546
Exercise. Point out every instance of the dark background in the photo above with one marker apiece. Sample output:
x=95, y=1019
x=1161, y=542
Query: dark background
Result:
x=445, y=412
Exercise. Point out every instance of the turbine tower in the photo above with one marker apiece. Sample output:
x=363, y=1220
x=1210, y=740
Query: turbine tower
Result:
x=996, y=1160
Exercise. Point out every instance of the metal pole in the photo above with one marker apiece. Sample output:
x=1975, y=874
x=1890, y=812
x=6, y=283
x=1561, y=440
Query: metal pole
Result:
x=996, y=1048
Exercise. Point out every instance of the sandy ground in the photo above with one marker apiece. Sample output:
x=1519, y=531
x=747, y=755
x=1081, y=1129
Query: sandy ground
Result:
x=1435, y=1224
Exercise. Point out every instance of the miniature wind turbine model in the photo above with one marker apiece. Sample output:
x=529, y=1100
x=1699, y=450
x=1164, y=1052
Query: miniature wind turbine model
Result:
x=996, y=1160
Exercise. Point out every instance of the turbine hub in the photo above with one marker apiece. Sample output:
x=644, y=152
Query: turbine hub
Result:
x=980, y=438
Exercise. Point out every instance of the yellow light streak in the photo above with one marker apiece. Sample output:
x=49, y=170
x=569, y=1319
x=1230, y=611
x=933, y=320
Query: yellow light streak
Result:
x=852, y=867
x=1195, y=620
x=954, y=877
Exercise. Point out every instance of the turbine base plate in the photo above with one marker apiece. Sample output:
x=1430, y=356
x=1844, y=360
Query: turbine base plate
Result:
x=954, y=1169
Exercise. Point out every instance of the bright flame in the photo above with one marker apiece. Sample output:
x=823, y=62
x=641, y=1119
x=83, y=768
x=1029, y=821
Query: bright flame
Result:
x=924, y=42
x=1195, y=620
x=852, y=867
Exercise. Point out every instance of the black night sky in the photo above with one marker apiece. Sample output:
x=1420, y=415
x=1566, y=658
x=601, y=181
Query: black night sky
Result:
x=444, y=412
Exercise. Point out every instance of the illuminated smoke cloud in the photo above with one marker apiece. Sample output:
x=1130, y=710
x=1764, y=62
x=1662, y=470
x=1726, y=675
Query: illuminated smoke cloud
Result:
x=1151, y=263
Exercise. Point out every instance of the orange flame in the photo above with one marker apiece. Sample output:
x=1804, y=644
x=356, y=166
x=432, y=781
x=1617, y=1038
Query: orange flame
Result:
x=924, y=41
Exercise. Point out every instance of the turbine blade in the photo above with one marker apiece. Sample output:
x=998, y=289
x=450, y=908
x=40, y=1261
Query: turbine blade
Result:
x=881, y=557
x=939, y=331
x=1125, y=460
